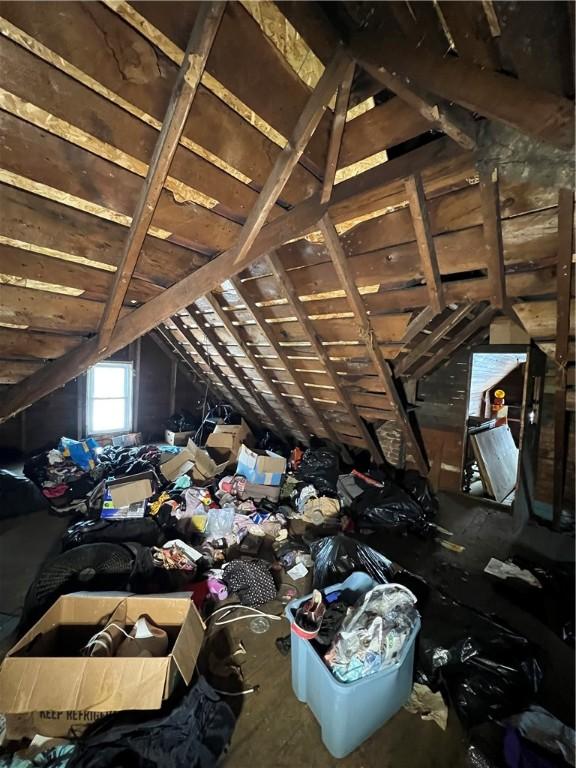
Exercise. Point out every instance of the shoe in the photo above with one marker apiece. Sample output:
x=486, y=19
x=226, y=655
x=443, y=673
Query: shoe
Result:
x=105, y=642
x=145, y=640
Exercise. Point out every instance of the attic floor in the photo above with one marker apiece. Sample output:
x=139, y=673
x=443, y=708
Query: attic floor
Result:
x=273, y=728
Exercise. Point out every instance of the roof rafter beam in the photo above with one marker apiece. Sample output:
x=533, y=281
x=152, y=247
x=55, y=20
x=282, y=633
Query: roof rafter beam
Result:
x=169, y=348
x=235, y=397
x=289, y=415
x=493, y=242
x=221, y=349
x=564, y=279
x=425, y=241
x=337, y=132
x=453, y=121
x=414, y=355
x=482, y=319
x=290, y=293
x=292, y=152
x=260, y=319
x=342, y=268
x=189, y=76
x=496, y=96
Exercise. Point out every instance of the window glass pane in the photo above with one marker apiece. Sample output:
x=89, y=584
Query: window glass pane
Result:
x=109, y=415
x=109, y=381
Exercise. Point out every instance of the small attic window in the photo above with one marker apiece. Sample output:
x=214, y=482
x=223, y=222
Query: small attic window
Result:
x=109, y=398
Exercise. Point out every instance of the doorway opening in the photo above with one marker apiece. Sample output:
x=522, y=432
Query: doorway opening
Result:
x=494, y=425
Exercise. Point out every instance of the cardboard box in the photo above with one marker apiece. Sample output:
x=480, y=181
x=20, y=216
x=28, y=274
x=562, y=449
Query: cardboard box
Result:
x=230, y=437
x=176, y=438
x=132, y=489
x=260, y=467
x=209, y=461
x=178, y=465
x=54, y=693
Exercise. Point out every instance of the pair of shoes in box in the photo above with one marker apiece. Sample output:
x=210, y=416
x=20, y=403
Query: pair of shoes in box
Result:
x=145, y=639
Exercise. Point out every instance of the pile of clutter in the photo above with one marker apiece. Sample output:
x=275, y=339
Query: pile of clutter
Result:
x=216, y=516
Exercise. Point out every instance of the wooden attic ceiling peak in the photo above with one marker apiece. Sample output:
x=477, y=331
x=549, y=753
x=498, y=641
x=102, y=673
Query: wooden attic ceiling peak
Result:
x=66, y=230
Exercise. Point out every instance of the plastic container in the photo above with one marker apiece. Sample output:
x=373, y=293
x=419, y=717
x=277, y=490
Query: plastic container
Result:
x=349, y=713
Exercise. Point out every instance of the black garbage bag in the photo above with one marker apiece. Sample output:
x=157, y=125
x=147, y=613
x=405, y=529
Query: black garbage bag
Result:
x=392, y=508
x=336, y=557
x=19, y=496
x=320, y=467
x=486, y=670
x=146, y=532
x=419, y=489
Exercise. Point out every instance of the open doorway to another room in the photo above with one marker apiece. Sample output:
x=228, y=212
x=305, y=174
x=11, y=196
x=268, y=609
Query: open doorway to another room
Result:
x=495, y=415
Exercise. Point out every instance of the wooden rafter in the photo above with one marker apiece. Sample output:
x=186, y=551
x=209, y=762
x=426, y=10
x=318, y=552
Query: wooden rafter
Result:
x=260, y=319
x=301, y=219
x=455, y=122
x=234, y=396
x=418, y=324
x=290, y=416
x=564, y=292
x=189, y=76
x=338, y=125
x=426, y=247
x=288, y=158
x=290, y=293
x=514, y=102
x=160, y=337
x=493, y=243
x=430, y=340
x=342, y=268
x=481, y=320
x=221, y=349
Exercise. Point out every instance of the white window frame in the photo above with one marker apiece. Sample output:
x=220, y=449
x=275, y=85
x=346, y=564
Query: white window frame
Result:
x=127, y=396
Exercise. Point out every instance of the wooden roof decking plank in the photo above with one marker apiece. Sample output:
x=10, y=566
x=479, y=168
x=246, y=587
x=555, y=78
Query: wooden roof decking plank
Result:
x=384, y=126
x=290, y=416
x=265, y=83
x=282, y=355
x=22, y=344
x=539, y=318
x=493, y=239
x=563, y=323
x=13, y=371
x=520, y=105
x=443, y=329
x=141, y=81
x=68, y=234
x=449, y=118
x=337, y=133
x=284, y=280
x=370, y=337
x=46, y=311
x=439, y=356
x=470, y=31
x=73, y=111
x=425, y=241
x=285, y=162
x=94, y=283
x=195, y=57
x=269, y=416
x=46, y=159
x=234, y=396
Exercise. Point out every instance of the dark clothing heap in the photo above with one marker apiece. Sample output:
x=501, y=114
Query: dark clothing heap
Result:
x=193, y=735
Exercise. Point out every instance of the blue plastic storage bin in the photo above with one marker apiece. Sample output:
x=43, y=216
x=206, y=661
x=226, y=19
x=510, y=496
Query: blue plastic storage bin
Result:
x=349, y=713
